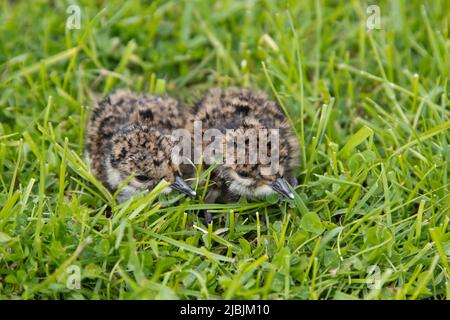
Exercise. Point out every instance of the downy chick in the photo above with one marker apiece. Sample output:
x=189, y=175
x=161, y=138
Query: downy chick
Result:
x=246, y=110
x=130, y=134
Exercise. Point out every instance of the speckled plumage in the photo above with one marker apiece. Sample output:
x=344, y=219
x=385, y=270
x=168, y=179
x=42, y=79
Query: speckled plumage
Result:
x=130, y=134
x=243, y=109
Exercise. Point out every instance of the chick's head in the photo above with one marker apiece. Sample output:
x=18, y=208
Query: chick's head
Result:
x=263, y=162
x=148, y=155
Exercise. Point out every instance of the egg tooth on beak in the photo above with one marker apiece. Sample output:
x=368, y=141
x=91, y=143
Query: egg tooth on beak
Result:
x=282, y=187
x=181, y=186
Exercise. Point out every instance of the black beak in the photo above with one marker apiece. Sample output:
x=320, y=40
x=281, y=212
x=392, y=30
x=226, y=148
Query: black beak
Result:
x=182, y=186
x=281, y=186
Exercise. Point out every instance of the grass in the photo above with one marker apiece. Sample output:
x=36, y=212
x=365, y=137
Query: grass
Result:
x=370, y=219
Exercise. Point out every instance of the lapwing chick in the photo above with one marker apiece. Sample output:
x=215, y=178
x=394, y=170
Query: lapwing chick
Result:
x=247, y=113
x=130, y=134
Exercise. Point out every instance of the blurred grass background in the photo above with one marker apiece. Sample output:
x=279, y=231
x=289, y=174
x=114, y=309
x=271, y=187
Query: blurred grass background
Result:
x=370, y=110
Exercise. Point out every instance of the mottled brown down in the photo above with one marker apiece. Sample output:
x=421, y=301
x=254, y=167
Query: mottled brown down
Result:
x=242, y=109
x=129, y=133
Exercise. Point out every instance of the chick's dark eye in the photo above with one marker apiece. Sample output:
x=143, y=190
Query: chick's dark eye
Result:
x=244, y=174
x=142, y=178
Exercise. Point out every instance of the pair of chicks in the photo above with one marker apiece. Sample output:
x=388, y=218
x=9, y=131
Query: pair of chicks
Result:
x=130, y=134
